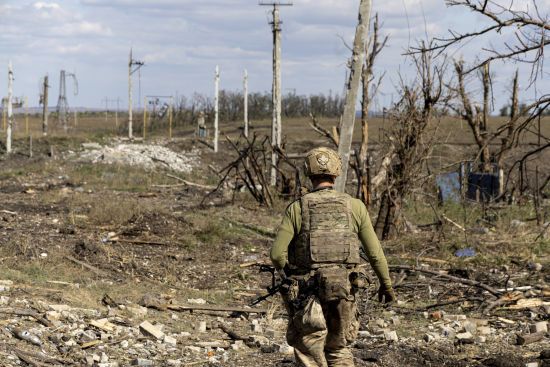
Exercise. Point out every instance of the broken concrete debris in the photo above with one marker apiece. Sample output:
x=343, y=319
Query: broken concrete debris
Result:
x=149, y=329
x=143, y=155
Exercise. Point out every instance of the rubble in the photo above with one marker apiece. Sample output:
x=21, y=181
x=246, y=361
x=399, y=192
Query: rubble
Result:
x=539, y=327
x=144, y=155
x=148, y=329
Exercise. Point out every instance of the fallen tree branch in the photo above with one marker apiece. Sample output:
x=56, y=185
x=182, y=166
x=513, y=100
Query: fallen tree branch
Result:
x=138, y=242
x=232, y=334
x=189, y=183
x=262, y=231
x=453, y=222
x=93, y=269
x=25, y=355
x=474, y=283
x=21, y=312
x=181, y=308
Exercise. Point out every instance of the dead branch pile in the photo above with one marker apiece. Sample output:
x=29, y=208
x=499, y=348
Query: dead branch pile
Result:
x=248, y=170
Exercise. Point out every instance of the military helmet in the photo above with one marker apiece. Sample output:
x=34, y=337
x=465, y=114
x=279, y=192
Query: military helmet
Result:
x=323, y=161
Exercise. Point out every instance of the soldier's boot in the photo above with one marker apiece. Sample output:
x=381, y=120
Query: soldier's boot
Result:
x=339, y=357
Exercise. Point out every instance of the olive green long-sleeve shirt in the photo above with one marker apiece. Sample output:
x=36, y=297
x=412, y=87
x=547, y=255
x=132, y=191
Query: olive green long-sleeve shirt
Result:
x=292, y=224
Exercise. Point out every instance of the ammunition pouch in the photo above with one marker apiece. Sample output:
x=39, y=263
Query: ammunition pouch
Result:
x=333, y=284
x=310, y=319
x=359, y=279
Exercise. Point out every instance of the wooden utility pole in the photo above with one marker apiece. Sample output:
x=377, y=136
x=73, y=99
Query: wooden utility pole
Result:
x=348, y=117
x=216, y=107
x=116, y=112
x=170, y=117
x=106, y=100
x=4, y=118
x=131, y=70
x=10, y=109
x=245, y=108
x=26, y=116
x=144, y=116
x=45, y=106
x=276, y=124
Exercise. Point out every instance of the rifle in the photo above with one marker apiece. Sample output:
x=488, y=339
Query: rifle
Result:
x=275, y=287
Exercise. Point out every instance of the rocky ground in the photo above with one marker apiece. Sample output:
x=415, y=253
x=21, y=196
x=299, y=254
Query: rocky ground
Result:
x=111, y=265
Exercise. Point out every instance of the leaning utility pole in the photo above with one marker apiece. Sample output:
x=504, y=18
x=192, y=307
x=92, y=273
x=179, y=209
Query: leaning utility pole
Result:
x=44, y=101
x=348, y=117
x=245, y=95
x=276, y=124
x=131, y=70
x=10, y=109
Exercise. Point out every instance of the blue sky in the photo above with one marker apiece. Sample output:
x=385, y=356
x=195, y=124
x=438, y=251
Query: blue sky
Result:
x=182, y=41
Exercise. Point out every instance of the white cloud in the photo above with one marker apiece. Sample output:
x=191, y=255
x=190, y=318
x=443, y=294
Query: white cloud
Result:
x=182, y=41
x=42, y=5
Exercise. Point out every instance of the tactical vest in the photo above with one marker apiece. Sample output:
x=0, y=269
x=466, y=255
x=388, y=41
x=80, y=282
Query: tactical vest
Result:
x=326, y=236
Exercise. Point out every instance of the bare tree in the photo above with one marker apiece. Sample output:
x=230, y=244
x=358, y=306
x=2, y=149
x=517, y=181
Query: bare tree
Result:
x=370, y=88
x=530, y=28
x=408, y=141
x=523, y=31
x=474, y=115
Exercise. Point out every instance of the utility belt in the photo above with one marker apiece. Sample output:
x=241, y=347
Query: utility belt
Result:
x=330, y=282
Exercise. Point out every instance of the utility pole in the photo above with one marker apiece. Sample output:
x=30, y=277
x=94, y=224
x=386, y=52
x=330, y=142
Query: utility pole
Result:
x=216, y=107
x=170, y=117
x=4, y=115
x=106, y=100
x=348, y=117
x=10, y=108
x=245, y=95
x=62, y=105
x=26, y=116
x=276, y=124
x=133, y=66
x=116, y=112
x=44, y=100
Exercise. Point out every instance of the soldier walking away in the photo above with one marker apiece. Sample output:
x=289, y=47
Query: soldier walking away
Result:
x=317, y=250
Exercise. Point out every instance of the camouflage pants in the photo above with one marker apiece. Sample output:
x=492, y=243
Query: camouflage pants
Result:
x=321, y=332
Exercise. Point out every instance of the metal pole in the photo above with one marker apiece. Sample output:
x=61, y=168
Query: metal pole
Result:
x=348, y=117
x=130, y=96
x=245, y=92
x=10, y=108
x=106, y=108
x=216, y=107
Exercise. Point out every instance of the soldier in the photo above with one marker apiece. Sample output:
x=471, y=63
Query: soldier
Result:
x=201, y=125
x=317, y=248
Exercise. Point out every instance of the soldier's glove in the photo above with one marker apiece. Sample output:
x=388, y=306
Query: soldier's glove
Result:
x=386, y=295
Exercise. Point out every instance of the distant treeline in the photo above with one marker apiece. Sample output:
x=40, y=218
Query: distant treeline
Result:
x=231, y=106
